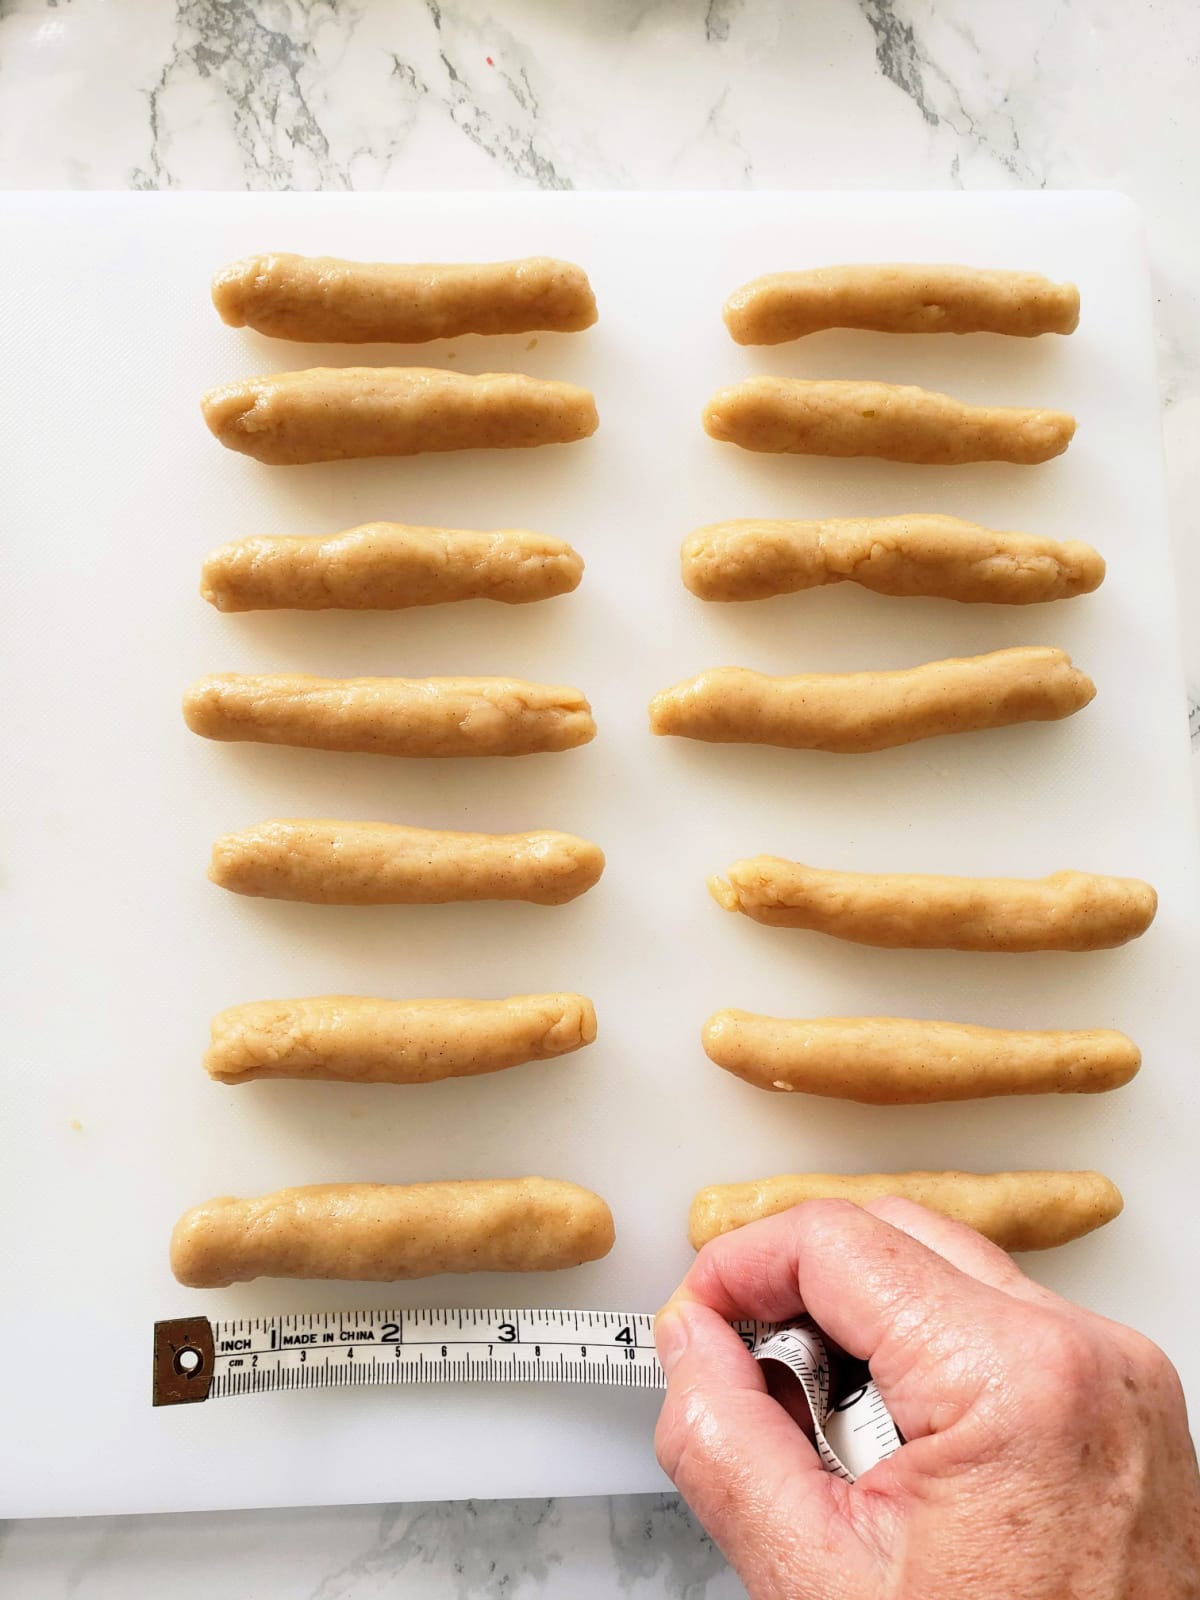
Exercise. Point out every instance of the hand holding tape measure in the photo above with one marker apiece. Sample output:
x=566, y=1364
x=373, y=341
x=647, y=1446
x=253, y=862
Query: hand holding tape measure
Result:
x=1047, y=1450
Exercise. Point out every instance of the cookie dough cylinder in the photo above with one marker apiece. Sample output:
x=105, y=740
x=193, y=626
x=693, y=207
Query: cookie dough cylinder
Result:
x=1016, y=1210
x=324, y=300
x=900, y=299
x=349, y=413
x=917, y=911
x=919, y=554
x=416, y=717
x=388, y=566
x=385, y=863
x=383, y=1233
x=893, y=1061
x=894, y=422
x=351, y=1039
x=853, y=713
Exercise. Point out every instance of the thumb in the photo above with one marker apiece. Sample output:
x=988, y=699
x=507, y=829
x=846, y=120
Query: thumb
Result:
x=747, y=1471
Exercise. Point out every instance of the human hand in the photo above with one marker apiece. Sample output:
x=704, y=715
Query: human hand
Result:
x=1048, y=1455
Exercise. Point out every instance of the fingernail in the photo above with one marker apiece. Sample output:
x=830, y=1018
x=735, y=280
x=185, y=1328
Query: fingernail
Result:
x=670, y=1338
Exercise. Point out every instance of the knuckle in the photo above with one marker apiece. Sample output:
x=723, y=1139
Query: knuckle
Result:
x=823, y=1221
x=1064, y=1355
x=1065, y=1347
x=1087, y=1369
x=892, y=1208
x=1146, y=1365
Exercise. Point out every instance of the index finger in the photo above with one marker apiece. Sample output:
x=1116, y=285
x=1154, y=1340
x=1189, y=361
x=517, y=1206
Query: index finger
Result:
x=932, y=1334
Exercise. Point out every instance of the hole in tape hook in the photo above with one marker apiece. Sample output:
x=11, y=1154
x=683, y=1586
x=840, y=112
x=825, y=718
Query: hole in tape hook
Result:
x=188, y=1361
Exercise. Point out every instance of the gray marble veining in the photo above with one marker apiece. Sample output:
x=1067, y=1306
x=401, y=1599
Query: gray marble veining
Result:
x=339, y=94
x=631, y=1545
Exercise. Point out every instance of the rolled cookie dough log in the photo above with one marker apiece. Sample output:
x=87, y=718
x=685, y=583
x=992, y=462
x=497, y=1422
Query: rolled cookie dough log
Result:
x=381, y=1233
x=900, y=298
x=895, y=422
x=1016, y=1210
x=323, y=300
x=384, y=863
x=351, y=1039
x=387, y=566
x=915, y=911
x=431, y=717
x=347, y=413
x=893, y=1061
x=856, y=712
x=919, y=554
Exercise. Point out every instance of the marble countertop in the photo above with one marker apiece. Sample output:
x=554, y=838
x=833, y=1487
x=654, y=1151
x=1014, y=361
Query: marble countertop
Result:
x=363, y=94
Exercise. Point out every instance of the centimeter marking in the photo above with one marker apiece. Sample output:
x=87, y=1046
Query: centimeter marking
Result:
x=338, y=1367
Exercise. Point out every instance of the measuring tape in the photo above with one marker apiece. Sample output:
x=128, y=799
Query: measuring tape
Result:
x=196, y=1359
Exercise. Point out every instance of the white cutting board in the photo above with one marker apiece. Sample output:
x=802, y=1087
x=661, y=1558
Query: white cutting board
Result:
x=118, y=949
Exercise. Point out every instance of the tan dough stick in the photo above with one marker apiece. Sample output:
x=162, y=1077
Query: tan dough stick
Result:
x=851, y=713
x=350, y=1039
x=913, y=911
x=386, y=566
x=896, y=422
x=919, y=554
x=323, y=300
x=900, y=299
x=1016, y=1210
x=893, y=1061
x=382, y=1232
x=391, y=716
x=386, y=863
x=346, y=413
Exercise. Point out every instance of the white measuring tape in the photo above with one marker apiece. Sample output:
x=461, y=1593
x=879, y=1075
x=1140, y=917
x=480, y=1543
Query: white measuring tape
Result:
x=198, y=1359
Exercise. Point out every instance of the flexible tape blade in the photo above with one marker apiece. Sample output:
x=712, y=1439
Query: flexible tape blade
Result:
x=195, y=1359
x=852, y=1432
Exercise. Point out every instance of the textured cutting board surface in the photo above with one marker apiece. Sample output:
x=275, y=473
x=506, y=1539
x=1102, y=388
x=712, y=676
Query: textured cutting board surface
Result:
x=118, y=950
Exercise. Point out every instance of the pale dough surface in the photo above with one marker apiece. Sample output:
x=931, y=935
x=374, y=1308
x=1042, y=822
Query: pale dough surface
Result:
x=895, y=422
x=1016, y=1210
x=388, y=566
x=900, y=298
x=918, y=911
x=856, y=712
x=355, y=1039
x=918, y=554
x=891, y=1061
x=430, y=717
x=322, y=299
x=386, y=863
x=348, y=413
x=382, y=1233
